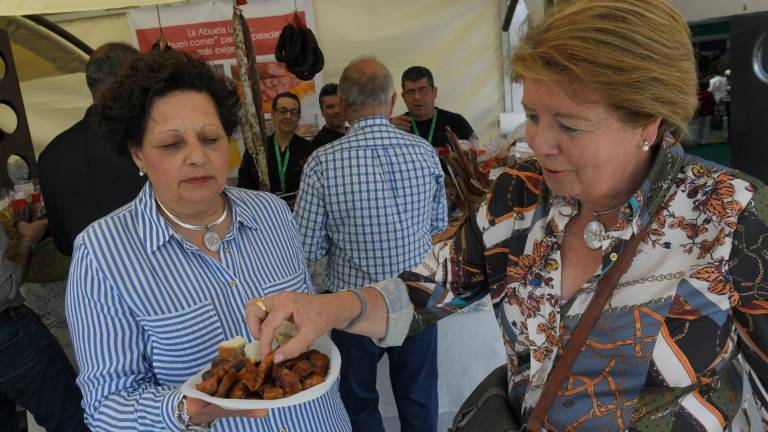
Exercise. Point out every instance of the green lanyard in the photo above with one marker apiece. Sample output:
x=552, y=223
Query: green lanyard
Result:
x=431, y=128
x=282, y=165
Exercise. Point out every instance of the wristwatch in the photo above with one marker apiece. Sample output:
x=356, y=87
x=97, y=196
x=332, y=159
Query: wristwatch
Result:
x=182, y=418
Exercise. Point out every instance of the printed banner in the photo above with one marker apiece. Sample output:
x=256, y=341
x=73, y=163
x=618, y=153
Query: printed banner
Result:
x=205, y=28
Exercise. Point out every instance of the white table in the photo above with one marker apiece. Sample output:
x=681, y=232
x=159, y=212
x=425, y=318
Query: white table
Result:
x=469, y=347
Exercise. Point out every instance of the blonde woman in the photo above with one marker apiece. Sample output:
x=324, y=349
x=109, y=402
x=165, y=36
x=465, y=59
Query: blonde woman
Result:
x=609, y=87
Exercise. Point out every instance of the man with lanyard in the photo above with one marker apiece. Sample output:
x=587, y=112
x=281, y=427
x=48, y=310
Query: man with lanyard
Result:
x=335, y=121
x=423, y=117
x=286, y=151
x=371, y=201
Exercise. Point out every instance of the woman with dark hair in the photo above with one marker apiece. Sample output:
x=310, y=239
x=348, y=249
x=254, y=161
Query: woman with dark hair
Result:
x=287, y=152
x=156, y=286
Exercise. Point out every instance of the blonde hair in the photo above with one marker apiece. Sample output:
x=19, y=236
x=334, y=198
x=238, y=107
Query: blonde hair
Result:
x=636, y=55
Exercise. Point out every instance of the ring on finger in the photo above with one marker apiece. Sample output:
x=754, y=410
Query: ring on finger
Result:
x=259, y=301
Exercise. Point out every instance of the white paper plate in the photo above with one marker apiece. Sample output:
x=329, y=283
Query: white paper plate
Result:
x=324, y=345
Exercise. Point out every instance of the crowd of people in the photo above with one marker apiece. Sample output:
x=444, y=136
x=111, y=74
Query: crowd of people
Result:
x=179, y=261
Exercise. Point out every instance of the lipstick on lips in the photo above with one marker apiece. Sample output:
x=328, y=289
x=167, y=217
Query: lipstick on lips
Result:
x=198, y=180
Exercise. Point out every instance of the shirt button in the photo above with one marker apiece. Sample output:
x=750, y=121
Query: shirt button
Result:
x=614, y=256
x=227, y=250
x=233, y=282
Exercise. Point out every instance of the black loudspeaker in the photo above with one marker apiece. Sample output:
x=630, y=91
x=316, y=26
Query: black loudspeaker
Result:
x=749, y=94
x=17, y=142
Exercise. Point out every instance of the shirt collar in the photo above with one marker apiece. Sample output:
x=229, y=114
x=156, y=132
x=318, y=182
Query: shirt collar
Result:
x=157, y=231
x=647, y=200
x=368, y=122
x=239, y=215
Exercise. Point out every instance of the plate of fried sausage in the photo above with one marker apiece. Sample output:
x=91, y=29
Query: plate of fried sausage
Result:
x=240, y=378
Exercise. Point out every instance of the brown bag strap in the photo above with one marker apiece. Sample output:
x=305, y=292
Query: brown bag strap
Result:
x=581, y=332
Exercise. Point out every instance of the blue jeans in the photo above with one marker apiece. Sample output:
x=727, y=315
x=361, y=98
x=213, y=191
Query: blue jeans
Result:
x=36, y=374
x=412, y=371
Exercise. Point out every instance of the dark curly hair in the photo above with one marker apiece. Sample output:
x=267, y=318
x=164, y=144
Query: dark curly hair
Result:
x=124, y=109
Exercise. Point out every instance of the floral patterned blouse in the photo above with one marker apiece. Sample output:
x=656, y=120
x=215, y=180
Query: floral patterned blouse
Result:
x=682, y=343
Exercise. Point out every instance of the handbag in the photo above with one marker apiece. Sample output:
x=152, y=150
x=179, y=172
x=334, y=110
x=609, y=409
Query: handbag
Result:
x=489, y=408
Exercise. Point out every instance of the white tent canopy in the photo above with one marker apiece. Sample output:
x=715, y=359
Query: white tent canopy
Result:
x=443, y=35
x=26, y=7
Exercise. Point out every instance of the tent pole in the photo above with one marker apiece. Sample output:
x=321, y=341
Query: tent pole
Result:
x=60, y=32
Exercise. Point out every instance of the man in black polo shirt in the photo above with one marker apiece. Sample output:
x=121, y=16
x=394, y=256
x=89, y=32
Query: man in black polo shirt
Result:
x=330, y=108
x=423, y=117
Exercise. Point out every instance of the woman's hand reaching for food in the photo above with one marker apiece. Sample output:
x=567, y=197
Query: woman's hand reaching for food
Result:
x=314, y=316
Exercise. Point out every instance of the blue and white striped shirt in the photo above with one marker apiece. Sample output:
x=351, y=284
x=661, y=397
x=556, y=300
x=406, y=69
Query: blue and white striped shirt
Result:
x=147, y=310
x=371, y=200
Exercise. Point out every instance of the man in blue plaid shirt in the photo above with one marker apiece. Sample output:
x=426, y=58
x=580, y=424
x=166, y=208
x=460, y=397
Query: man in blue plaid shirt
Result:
x=371, y=201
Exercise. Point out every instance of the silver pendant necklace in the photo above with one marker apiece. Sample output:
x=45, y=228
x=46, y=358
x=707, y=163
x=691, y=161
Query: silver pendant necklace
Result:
x=211, y=240
x=594, y=231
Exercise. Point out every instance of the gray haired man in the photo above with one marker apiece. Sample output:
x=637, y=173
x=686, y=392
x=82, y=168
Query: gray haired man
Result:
x=371, y=201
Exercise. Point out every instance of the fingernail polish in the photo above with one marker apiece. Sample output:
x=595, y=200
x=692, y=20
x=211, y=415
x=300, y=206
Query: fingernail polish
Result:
x=279, y=357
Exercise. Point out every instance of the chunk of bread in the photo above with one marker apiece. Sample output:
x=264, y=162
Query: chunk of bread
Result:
x=232, y=348
x=253, y=352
